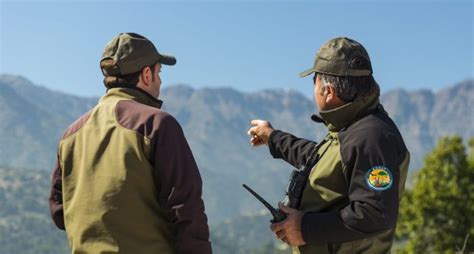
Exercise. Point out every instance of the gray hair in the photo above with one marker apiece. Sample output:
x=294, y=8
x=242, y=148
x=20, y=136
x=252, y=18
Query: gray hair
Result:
x=349, y=88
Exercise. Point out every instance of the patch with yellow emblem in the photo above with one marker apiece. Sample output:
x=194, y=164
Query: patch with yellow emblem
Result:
x=379, y=178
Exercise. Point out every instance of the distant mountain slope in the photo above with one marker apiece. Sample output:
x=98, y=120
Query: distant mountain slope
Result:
x=215, y=122
x=31, y=120
x=25, y=224
x=423, y=116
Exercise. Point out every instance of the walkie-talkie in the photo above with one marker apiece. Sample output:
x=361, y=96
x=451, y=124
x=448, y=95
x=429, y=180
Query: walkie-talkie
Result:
x=295, y=187
x=276, y=213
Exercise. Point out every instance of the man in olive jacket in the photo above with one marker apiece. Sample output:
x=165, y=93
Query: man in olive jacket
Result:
x=351, y=198
x=125, y=179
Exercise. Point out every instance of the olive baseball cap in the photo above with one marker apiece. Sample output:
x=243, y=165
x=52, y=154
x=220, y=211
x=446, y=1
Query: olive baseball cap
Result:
x=129, y=53
x=341, y=57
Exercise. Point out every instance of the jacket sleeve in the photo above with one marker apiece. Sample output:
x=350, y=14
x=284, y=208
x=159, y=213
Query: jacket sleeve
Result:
x=293, y=150
x=55, y=197
x=180, y=188
x=370, y=211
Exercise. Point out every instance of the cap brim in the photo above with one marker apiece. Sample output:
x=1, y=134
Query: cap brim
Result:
x=307, y=72
x=167, y=59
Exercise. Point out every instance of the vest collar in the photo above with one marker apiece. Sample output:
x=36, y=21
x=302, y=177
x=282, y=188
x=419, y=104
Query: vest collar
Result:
x=341, y=117
x=135, y=94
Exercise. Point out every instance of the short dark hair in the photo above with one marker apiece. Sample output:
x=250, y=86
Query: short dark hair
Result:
x=129, y=80
x=350, y=88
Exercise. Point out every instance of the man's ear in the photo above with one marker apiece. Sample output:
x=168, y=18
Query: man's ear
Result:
x=145, y=76
x=330, y=93
x=332, y=97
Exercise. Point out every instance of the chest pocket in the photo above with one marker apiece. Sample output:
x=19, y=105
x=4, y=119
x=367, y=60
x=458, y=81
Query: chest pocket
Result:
x=326, y=188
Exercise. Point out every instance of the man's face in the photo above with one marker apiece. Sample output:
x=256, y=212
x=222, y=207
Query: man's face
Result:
x=325, y=96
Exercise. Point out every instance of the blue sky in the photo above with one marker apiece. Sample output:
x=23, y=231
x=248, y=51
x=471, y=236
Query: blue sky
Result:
x=247, y=45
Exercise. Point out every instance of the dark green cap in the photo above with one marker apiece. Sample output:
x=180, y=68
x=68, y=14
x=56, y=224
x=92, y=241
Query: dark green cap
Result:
x=129, y=53
x=341, y=57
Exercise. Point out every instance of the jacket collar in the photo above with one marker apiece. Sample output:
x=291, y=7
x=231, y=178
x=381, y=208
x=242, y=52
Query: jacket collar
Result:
x=135, y=94
x=341, y=117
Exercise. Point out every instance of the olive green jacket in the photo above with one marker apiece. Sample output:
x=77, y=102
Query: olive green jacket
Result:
x=125, y=181
x=351, y=199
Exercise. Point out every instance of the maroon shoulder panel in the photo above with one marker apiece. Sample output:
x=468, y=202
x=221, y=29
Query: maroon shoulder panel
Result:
x=77, y=125
x=139, y=117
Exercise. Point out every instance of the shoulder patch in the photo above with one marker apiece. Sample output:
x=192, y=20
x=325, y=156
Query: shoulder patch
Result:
x=379, y=178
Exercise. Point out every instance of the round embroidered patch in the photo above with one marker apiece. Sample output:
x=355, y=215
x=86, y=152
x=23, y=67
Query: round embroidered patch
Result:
x=379, y=178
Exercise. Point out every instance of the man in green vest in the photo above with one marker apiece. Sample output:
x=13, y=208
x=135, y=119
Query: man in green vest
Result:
x=125, y=180
x=351, y=198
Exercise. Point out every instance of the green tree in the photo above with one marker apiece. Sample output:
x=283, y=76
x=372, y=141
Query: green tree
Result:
x=437, y=214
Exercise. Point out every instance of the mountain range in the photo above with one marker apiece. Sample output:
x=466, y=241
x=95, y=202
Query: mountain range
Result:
x=215, y=121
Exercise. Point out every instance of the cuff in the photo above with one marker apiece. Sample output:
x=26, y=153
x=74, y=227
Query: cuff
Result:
x=314, y=227
x=272, y=143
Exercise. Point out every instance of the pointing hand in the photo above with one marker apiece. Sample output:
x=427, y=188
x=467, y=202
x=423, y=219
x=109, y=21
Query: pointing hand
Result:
x=259, y=132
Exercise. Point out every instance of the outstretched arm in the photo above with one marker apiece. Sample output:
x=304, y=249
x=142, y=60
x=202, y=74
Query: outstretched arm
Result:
x=282, y=145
